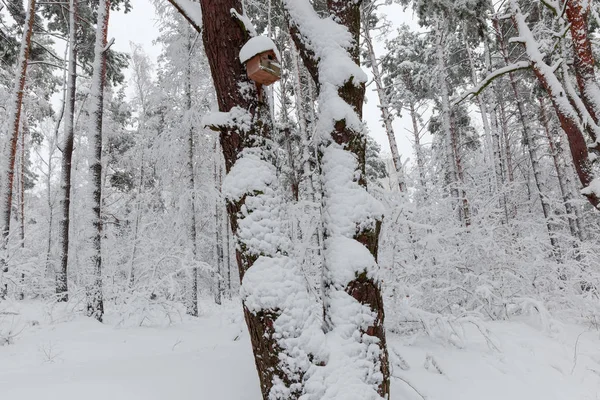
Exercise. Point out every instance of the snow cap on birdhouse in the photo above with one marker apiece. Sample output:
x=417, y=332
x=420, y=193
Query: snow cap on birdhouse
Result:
x=262, y=60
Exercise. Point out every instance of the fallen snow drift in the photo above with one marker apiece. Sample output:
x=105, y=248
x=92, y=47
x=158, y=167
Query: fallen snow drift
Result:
x=210, y=358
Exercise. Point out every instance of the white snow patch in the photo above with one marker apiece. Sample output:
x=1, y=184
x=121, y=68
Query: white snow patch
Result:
x=346, y=259
x=257, y=45
x=192, y=10
x=249, y=174
x=237, y=117
x=267, y=285
x=349, y=206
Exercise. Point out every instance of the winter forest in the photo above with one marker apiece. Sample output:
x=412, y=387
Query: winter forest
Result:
x=300, y=199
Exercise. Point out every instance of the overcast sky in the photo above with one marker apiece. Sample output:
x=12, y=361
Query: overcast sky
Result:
x=140, y=26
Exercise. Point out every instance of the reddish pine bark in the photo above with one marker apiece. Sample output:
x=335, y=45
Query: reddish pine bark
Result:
x=14, y=123
x=223, y=37
x=577, y=12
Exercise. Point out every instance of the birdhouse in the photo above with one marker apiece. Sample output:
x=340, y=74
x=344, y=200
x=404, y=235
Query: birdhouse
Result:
x=262, y=60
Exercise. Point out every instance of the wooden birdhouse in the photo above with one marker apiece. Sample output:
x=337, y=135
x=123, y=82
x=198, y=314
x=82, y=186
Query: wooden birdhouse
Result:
x=262, y=60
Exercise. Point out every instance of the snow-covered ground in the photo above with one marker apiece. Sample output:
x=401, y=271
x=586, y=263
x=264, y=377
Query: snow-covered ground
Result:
x=55, y=356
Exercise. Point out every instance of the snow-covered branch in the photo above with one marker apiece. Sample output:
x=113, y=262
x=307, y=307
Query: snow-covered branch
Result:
x=490, y=78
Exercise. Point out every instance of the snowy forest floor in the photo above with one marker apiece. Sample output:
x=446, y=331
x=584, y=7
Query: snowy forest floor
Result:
x=56, y=354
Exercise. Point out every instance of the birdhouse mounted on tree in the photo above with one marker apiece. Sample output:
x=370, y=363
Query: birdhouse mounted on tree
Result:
x=262, y=60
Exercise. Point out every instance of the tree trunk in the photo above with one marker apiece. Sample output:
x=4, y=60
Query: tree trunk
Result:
x=95, y=307
x=418, y=149
x=530, y=144
x=241, y=143
x=67, y=156
x=384, y=106
x=560, y=173
x=192, y=307
x=346, y=135
x=22, y=162
x=491, y=129
x=14, y=120
x=218, y=227
x=577, y=12
x=449, y=140
x=567, y=114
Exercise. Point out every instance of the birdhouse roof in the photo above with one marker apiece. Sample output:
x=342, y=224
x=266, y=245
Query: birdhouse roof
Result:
x=258, y=45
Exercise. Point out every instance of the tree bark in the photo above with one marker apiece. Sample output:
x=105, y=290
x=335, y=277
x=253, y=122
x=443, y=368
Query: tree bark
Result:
x=567, y=114
x=364, y=289
x=192, y=307
x=223, y=36
x=67, y=156
x=95, y=306
x=384, y=106
x=577, y=12
x=530, y=145
x=14, y=120
x=560, y=173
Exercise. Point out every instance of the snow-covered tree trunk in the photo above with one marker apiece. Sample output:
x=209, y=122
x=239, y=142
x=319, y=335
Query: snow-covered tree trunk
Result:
x=274, y=297
x=330, y=51
x=299, y=97
x=529, y=141
x=384, y=105
x=577, y=12
x=192, y=306
x=67, y=156
x=555, y=152
x=565, y=103
x=490, y=128
x=218, y=227
x=7, y=163
x=449, y=140
x=95, y=307
x=418, y=147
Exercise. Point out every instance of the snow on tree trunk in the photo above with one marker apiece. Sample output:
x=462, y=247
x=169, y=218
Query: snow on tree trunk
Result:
x=418, y=147
x=568, y=115
x=67, y=156
x=384, y=106
x=577, y=12
x=7, y=163
x=560, y=173
x=276, y=304
x=357, y=362
x=95, y=306
x=490, y=127
x=449, y=139
x=192, y=306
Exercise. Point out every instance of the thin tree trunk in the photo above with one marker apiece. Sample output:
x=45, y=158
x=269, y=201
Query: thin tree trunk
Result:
x=449, y=140
x=560, y=173
x=25, y=131
x=418, y=149
x=384, y=105
x=62, y=286
x=302, y=123
x=14, y=120
x=192, y=307
x=95, y=306
x=218, y=228
x=491, y=129
x=530, y=144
